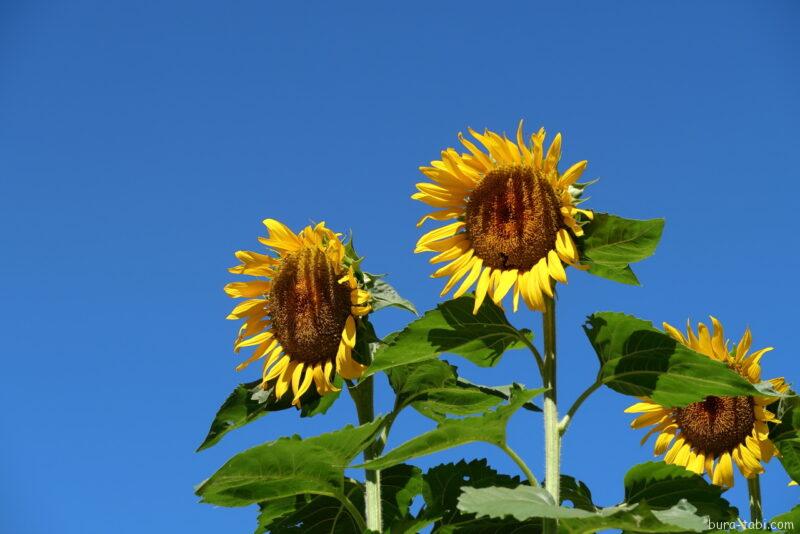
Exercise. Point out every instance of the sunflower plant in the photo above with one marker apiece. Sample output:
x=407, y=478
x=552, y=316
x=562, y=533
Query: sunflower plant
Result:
x=509, y=226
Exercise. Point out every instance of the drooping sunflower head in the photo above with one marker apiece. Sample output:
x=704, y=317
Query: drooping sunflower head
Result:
x=515, y=217
x=300, y=313
x=714, y=434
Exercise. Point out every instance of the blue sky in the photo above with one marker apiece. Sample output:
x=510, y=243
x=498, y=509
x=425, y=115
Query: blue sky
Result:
x=142, y=143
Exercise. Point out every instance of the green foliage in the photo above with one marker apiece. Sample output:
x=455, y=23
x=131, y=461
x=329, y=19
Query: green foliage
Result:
x=451, y=327
x=663, y=485
x=611, y=243
x=312, y=514
x=249, y=402
x=658, y=498
x=433, y=388
x=287, y=467
x=639, y=360
x=576, y=492
x=791, y=517
x=786, y=435
x=320, y=514
x=443, y=485
x=384, y=295
x=526, y=502
x=489, y=427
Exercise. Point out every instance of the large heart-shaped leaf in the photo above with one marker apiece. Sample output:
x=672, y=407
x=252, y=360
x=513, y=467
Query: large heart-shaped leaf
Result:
x=489, y=427
x=249, y=402
x=639, y=360
x=610, y=244
x=320, y=514
x=525, y=502
x=433, y=388
x=311, y=514
x=287, y=467
x=663, y=485
x=451, y=327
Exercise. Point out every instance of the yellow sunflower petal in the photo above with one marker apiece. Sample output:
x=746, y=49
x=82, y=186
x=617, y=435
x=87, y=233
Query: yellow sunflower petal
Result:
x=282, y=383
x=697, y=463
x=723, y=474
x=438, y=234
x=475, y=271
x=566, y=247
x=744, y=344
x=555, y=268
x=553, y=153
x=280, y=237
x=662, y=441
x=302, y=386
x=645, y=406
x=483, y=286
x=507, y=279
x=255, y=288
x=572, y=174
x=674, y=450
x=674, y=333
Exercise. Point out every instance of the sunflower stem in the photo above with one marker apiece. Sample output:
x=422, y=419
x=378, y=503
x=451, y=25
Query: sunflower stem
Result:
x=552, y=436
x=754, y=488
x=363, y=397
x=567, y=419
x=521, y=464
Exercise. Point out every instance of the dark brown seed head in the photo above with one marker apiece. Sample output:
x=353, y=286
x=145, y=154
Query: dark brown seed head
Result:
x=512, y=218
x=717, y=424
x=308, y=306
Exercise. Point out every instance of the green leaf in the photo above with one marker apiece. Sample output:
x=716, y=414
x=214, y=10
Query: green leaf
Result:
x=249, y=402
x=576, y=492
x=288, y=466
x=610, y=244
x=451, y=327
x=318, y=514
x=270, y=512
x=615, y=273
x=489, y=427
x=663, y=485
x=526, y=502
x=311, y=514
x=433, y=388
x=399, y=485
x=641, y=361
x=385, y=296
x=788, y=521
x=786, y=435
x=443, y=485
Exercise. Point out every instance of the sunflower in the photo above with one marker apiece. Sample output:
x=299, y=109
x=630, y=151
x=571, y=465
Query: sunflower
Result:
x=717, y=432
x=515, y=217
x=300, y=315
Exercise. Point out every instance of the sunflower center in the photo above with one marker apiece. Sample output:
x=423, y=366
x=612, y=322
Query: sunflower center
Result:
x=512, y=218
x=717, y=424
x=308, y=306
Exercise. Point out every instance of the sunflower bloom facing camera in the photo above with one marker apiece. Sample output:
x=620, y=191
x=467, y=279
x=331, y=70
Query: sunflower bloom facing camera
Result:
x=515, y=217
x=719, y=432
x=300, y=313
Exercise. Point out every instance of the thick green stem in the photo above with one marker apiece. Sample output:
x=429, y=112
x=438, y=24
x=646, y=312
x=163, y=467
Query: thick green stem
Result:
x=363, y=397
x=552, y=437
x=754, y=487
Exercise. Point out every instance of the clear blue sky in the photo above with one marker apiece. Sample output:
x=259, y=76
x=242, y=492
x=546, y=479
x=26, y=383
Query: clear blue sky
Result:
x=141, y=143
